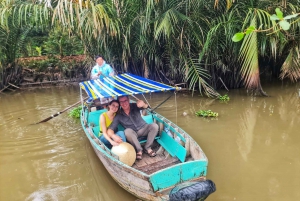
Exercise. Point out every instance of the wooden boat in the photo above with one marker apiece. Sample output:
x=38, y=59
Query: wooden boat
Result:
x=178, y=172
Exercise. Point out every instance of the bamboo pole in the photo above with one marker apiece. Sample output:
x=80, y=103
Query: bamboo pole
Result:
x=58, y=113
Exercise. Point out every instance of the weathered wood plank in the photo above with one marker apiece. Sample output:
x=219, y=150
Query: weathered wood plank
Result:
x=139, y=163
x=149, y=169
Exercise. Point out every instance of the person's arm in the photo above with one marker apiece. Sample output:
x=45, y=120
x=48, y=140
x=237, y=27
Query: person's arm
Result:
x=116, y=139
x=111, y=71
x=141, y=104
x=106, y=134
x=95, y=73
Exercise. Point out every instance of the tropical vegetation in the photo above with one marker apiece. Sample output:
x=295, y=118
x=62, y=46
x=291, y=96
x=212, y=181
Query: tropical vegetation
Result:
x=172, y=41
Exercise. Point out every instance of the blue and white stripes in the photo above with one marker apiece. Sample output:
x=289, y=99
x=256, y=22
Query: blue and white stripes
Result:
x=123, y=84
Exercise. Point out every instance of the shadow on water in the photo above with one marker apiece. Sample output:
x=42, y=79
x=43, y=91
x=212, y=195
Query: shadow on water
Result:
x=252, y=147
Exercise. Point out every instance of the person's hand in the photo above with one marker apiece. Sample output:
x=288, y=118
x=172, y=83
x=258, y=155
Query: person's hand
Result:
x=117, y=139
x=140, y=103
x=113, y=143
x=99, y=73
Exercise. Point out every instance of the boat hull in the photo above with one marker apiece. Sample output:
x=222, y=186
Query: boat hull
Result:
x=155, y=186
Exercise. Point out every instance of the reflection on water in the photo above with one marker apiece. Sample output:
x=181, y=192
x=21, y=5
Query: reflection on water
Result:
x=245, y=138
x=252, y=147
x=49, y=193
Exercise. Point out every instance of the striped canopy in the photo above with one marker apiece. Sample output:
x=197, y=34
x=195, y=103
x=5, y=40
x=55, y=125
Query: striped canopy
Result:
x=123, y=84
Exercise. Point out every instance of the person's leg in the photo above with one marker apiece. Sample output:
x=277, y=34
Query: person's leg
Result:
x=105, y=141
x=150, y=130
x=122, y=135
x=131, y=137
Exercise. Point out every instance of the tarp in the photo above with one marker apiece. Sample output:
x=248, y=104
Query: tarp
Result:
x=122, y=84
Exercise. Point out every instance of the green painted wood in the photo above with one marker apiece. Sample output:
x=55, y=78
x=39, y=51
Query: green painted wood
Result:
x=177, y=133
x=148, y=118
x=174, y=148
x=94, y=117
x=178, y=174
x=165, y=178
x=120, y=128
x=96, y=130
x=158, y=119
x=170, y=128
x=193, y=169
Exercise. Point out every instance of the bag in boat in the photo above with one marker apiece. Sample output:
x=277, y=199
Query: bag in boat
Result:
x=192, y=191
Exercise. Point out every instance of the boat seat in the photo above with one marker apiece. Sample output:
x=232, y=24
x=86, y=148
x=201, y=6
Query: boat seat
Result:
x=94, y=123
x=93, y=117
x=96, y=130
x=149, y=120
x=173, y=147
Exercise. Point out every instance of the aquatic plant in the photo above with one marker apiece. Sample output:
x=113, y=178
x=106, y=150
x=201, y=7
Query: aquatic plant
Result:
x=206, y=113
x=224, y=98
x=75, y=113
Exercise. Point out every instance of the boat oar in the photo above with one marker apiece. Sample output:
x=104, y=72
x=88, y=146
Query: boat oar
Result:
x=58, y=113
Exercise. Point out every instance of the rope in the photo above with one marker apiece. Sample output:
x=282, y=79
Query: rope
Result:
x=146, y=101
x=161, y=103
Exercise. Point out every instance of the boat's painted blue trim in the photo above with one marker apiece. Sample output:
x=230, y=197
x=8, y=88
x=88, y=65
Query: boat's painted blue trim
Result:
x=173, y=147
x=170, y=127
x=177, y=174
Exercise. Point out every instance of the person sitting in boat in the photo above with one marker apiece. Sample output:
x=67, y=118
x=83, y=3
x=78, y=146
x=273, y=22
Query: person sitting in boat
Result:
x=135, y=126
x=105, y=120
x=100, y=71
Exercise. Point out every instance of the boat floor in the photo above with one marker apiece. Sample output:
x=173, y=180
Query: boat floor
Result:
x=150, y=165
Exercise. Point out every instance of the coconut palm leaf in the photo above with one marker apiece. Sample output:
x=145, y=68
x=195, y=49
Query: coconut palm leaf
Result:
x=249, y=58
x=198, y=75
x=291, y=66
x=249, y=51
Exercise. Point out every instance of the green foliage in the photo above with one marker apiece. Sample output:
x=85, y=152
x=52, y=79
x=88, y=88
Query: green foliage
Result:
x=61, y=43
x=175, y=41
x=283, y=23
x=206, y=113
x=238, y=37
x=75, y=113
x=224, y=98
x=39, y=50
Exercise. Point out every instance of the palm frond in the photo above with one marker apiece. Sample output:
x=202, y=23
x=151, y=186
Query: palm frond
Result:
x=249, y=51
x=197, y=75
x=249, y=58
x=291, y=66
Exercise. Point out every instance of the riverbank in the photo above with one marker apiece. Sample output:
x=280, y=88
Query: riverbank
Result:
x=46, y=71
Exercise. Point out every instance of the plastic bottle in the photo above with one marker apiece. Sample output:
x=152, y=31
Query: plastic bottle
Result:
x=168, y=132
x=177, y=139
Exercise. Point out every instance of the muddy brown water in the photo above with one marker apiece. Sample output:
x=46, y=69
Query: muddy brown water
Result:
x=252, y=147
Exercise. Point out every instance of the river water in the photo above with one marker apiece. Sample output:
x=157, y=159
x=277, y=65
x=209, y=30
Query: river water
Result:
x=252, y=147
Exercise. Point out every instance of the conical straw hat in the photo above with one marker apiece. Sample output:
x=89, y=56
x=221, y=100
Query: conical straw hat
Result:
x=126, y=153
